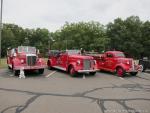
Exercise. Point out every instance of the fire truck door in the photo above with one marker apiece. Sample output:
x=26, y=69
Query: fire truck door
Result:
x=63, y=59
x=109, y=63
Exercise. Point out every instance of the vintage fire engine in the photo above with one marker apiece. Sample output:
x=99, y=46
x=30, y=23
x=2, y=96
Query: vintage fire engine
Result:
x=71, y=61
x=115, y=61
x=25, y=57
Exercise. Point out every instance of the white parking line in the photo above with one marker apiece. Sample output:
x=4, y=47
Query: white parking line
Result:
x=121, y=78
x=11, y=75
x=50, y=74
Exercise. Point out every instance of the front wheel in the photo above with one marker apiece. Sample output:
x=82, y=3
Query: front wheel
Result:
x=120, y=72
x=16, y=72
x=72, y=71
x=41, y=71
x=9, y=67
x=133, y=73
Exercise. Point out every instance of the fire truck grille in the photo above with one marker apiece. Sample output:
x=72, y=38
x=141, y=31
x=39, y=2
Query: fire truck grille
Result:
x=133, y=65
x=86, y=64
x=31, y=60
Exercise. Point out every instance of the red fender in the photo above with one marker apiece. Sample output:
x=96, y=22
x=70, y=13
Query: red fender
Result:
x=71, y=64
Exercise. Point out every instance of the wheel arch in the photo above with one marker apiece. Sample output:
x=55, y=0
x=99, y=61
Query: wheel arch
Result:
x=119, y=66
x=120, y=73
x=69, y=66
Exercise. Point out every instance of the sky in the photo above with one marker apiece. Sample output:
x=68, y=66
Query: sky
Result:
x=52, y=14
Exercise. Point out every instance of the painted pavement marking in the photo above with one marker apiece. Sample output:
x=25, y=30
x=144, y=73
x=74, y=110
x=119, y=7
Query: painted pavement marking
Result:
x=121, y=78
x=50, y=74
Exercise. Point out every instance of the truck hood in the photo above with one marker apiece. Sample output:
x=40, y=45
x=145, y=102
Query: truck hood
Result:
x=129, y=59
x=125, y=58
x=80, y=57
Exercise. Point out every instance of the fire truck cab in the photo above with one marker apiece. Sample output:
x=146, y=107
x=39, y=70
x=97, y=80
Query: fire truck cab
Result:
x=71, y=61
x=26, y=58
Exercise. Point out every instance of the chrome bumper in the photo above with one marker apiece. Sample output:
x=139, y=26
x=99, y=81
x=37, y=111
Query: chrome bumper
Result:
x=86, y=71
x=29, y=67
x=133, y=70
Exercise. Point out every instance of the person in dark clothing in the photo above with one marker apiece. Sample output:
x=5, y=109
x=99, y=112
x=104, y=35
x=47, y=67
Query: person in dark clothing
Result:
x=82, y=51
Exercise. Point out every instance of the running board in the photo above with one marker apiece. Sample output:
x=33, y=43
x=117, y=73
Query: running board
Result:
x=61, y=68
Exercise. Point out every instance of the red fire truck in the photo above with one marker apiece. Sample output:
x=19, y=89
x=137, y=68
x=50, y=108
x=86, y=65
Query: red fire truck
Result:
x=25, y=57
x=115, y=61
x=71, y=61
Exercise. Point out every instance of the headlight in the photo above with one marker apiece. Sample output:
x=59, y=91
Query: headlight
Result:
x=78, y=62
x=128, y=62
x=40, y=60
x=22, y=61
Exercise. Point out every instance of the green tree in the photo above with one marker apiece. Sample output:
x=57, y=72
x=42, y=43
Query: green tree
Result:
x=39, y=38
x=87, y=35
x=11, y=37
x=126, y=35
x=145, y=41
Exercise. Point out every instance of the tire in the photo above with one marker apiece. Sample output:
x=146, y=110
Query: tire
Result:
x=120, y=72
x=9, y=67
x=16, y=72
x=49, y=65
x=133, y=73
x=72, y=71
x=41, y=71
x=92, y=73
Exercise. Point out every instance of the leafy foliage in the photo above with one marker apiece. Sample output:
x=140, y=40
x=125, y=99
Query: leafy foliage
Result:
x=130, y=35
x=90, y=36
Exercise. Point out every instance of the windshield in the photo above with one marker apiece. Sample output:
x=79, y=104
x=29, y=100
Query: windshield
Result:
x=26, y=49
x=73, y=52
x=53, y=52
x=120, y=55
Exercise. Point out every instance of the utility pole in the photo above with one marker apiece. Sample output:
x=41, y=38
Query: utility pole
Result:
x=66, y=44
x=1, y=28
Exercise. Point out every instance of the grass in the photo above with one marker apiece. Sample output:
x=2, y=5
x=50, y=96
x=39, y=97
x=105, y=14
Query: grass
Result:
x=3, y=63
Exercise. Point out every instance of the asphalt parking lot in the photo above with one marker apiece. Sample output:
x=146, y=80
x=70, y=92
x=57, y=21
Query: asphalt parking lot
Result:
x=57, y=92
